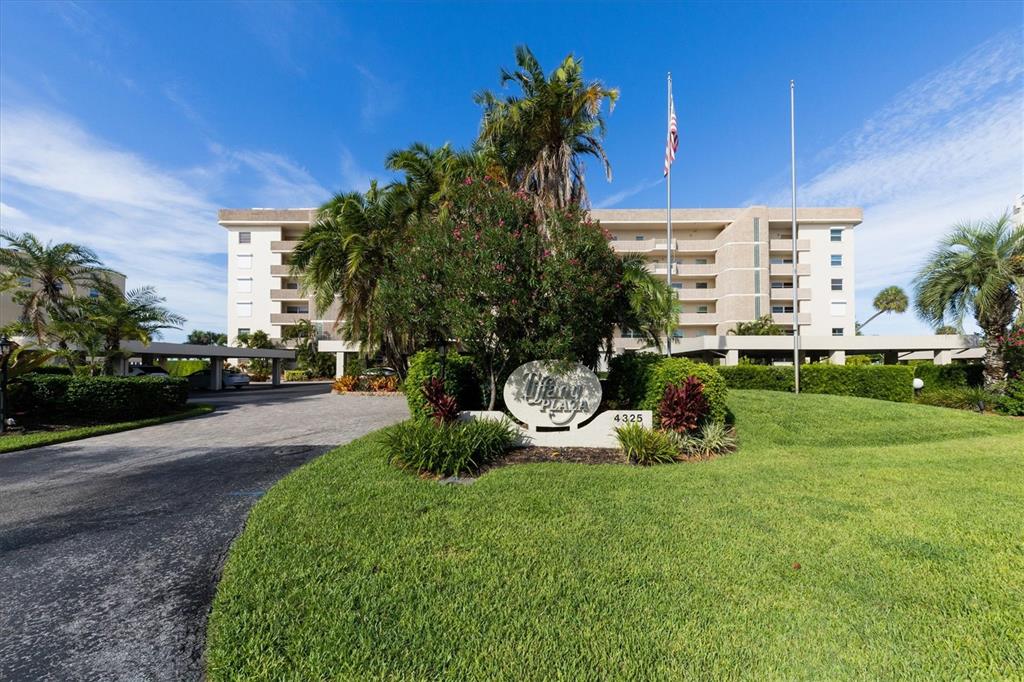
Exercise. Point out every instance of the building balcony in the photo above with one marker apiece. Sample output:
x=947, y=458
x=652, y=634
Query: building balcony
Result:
x=283, y=247
x=784, y=269
x=280, y=270
x=695, y=245
x=786, y=245
x=287, y=295
x=288, y=318
x=698, y=318
x=784, y=294
x=786, y=319
x=692, y=269
x=697, y=294
x=634, y=245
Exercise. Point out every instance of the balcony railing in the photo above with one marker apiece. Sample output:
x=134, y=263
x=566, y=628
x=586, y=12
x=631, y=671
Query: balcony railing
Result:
x=280, y=270
x=783, y=269
x=696, y=294
x=698, y=318
x=283, y=247
x=286, y=295
x=288, y=318
x=784, y=294
x=786, y=319
x=635, y=245
x=786, y=245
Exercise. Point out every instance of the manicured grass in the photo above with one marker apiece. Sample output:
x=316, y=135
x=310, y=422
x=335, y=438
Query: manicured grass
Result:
x=907, y=522
x=37, y=439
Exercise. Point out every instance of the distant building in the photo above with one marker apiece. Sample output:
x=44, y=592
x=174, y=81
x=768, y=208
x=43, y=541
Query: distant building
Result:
x=1017, y=213
x=10, y=311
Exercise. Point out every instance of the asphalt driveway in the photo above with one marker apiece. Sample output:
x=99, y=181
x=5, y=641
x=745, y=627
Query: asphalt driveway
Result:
x=110, y=547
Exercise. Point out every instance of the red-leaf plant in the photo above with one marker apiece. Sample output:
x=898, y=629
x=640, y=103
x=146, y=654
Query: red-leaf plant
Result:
x=443, y=407
x=683, y=406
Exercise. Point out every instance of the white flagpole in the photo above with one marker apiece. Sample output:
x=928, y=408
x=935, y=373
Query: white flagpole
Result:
x=796, y=315
x=668, y=217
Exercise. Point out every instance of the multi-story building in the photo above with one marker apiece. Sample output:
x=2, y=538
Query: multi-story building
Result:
x=10, y=310
x=728, y=266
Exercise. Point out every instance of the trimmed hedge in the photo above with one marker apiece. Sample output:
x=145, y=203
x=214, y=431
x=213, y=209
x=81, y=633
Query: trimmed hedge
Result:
x=182, y=368
x=460, y=381
x=102, y=398
x=949, y=376
x=626, y=384
x=296, y=375
x=881, y=382
x=674, y=371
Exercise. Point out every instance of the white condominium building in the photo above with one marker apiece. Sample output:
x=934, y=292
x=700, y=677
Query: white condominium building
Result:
x=727, y=266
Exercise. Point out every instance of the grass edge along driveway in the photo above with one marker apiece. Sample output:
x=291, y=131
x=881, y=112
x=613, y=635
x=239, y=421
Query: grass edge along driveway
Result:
x=14, y=442
x=905, y=520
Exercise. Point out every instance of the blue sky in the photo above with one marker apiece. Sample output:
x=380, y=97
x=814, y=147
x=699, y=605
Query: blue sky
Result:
x=125, y=126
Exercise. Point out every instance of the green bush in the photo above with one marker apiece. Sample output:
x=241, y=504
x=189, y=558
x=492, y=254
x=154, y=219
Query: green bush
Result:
x=182, y=368
x=62, y=370
x=674, y=371
x=447, y=449
x=646, y=446
x=296, y=375
x=713, y=439
x=959, y=398
x=1012, y=401
x=460, y=381
x=949, y=376
x=882, y=382
x=626, y=384
x=102, y=398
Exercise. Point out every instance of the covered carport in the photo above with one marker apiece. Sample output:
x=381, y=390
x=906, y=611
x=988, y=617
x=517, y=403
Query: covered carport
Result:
x=157, y=353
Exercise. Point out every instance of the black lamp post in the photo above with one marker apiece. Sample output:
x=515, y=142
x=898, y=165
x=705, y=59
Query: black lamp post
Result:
x=5, y=355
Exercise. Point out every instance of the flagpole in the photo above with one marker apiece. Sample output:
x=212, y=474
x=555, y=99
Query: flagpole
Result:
x=796, y=303
x=668, y=221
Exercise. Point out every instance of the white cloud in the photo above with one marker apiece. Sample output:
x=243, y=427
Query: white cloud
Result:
x=158, y=227
x=380, y=96
x=616, y=198
x=950, y=147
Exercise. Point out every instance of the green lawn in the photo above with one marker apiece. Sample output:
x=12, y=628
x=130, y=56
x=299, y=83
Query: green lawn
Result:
x=35, y=439
x=907, y=522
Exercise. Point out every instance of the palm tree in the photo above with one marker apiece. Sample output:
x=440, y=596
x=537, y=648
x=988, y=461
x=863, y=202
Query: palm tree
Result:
x=136, y=315
x=52, y=273
x=888, y=300
x=543, y=135
x=432, y=174
x=652, y=305
x=975, y=270
x=947, y=329
x=762, y=326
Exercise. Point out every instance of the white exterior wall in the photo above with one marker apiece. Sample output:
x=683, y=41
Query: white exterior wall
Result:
x=819, y=257
x=262, y=281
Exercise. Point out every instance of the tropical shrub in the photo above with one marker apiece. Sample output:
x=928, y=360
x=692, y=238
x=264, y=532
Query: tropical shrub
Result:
x=675, y=371
x=443, y=407
x=960, y=398
x=1011, y=402
x=627, y=379
x=460, y=381
x=882, y=382
x=758, y=377
x=345, y=384
x=379, y=384
x=646, y=446
x=713, y=439
x=296, y=375
x=101, y=397
x=683, y=407
x=447, y=449
x=949, y=376
x=182, y=368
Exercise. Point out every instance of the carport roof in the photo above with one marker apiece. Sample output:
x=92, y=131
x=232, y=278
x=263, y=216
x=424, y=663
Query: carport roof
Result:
x=192, y=350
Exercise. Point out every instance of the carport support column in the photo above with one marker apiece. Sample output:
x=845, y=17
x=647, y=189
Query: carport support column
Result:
x=275, y=371
x=216, y=374
x=732, y=358
x=943, y=357
x=891, y=357
x=339, y=364
x=837, y=357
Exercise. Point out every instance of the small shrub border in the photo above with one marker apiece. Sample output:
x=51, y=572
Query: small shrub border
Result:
x=881, y=382
x=674, y=372
x=104, y=398
x=351, y=384
x=447, y=449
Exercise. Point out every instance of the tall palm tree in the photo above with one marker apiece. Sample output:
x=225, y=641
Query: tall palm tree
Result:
x=975, y=270
x=652, y=305
x=889, y=300
x=762, y=326
x=543, y=135
x=135, y=315
x=52, y=272
x=432, y=174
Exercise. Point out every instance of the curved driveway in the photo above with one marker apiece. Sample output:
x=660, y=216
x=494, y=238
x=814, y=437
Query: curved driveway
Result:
x=110, y=547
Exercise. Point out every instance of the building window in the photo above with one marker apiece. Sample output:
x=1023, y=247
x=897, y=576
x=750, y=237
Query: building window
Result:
x=243, y=309
x=835, y=234
x=838, y=308
x=837, y=284
x=94, y=293
x=837, y=331
x=677, y=333
x=243, y=261
x=245, y=237
x=701, y=261
x=243, y=285
x=837, y=259
x=25, y=281
x=702, y=310
x=242, y=331
x=297, y=309
x=639, y=237
x=702, y=285
x=615, y=237
x=777, y=309
x=677, y=285
x=59, y=286
x=782, y=285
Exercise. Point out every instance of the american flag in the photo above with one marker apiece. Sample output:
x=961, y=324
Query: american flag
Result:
x=672, y=142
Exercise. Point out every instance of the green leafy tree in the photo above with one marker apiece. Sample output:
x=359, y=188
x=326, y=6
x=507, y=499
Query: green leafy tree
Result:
x=259, y=367
x=305, y=336
x=135, y=315
x=52, y=272
x=947, y=329
x=200, y=337
x=762, y=326
x=975, y=271
x=543, y=135
x=653, y=306
x=889, y=300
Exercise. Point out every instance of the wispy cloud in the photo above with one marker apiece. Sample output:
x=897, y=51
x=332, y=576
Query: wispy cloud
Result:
x=949, y=147
x=157, y=226
x=616, y=198
x=380, y=96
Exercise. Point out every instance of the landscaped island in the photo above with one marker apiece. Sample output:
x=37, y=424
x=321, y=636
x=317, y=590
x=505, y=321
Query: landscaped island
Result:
x=846, y=538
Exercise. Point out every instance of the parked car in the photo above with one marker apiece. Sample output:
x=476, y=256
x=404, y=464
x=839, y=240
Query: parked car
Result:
x=230, y=378
x=374, y=372
x=148, y=371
